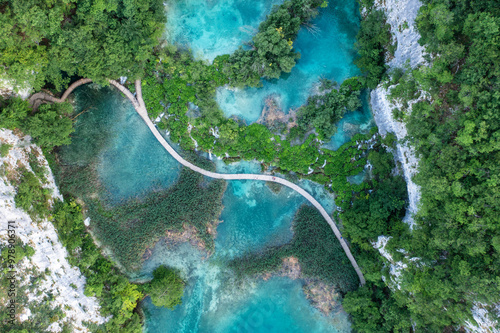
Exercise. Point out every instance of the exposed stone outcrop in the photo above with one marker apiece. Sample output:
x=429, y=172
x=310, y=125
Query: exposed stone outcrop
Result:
x=62, y=282
x=401, y=16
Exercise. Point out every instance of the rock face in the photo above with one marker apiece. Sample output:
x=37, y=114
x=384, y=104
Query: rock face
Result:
x=484, y=322
x=64, y=282
x=8, y=88
x=401, y=16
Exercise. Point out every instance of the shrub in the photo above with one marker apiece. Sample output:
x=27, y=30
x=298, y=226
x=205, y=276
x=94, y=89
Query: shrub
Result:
x=166, y=288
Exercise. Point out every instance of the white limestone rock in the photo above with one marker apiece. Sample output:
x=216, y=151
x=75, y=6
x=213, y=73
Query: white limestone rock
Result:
x=408, y=49
x=63, y=281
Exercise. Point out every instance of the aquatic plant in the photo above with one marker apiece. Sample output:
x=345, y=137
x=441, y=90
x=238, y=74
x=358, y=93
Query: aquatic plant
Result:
x=129, y=228
x=316, y=247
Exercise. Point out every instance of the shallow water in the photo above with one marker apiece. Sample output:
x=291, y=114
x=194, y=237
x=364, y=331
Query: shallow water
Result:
x=214, y=303
x=276, y=305
x=253, y=217
x=326, y=52
x=131, y=161
x=215, y=27
x=360, y=121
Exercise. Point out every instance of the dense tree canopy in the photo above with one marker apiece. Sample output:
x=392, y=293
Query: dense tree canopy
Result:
x=49, y=41
x=323, y=111
x=373, y=41
x=166, y=288
x=455, y=129
x=49, y=126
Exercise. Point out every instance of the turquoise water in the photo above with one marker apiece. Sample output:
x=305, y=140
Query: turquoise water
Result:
x=253, y=217
x=327, y=51
x=215, y=27
x=277, y=305
x=131, y=161
x=360, y=121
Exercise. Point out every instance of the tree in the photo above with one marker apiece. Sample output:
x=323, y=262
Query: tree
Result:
x=48, y=42
x=50, y=126
x=373, y=39
x=323, y=112
x=13, y=113
x=166, y=288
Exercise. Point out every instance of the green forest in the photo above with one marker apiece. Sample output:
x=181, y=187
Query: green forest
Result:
x=453, y=251
x=454, y=129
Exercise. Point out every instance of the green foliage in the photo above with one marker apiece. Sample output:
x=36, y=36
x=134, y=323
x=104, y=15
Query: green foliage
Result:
x=314, y=244
x=166, y=288
x=31, y=196
x=370, y=212
x=38, y=169
x=177, y=73
x=372, y=42
x=376, y=212
x=372, y=309
x=117, y=296
x=11, y=256
x=13, y=112
x=131, y=226
x=50, y=42
x=324, y=111
x=134, y=225
x=66, y=219
x=50, y=126
x=454, y=130
x=43, y=314
x=4, y=149
x=271, y=50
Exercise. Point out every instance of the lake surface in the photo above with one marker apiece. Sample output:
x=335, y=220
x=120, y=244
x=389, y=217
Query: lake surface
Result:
x=131, y=163
x=253, y=217
x=327, y=51
x=214, y=27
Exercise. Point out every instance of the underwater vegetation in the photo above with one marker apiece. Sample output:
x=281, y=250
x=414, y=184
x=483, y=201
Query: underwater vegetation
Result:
x=128, y=229
x=124, y=224
x=316, y=247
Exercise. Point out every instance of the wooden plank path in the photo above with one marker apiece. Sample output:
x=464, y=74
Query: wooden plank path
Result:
x=140, y=107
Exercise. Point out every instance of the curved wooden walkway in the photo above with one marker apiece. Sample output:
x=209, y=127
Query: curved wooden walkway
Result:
x=140, y=107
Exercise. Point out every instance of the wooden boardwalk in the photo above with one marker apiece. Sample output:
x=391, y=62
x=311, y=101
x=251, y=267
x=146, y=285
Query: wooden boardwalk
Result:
x=140, y=107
